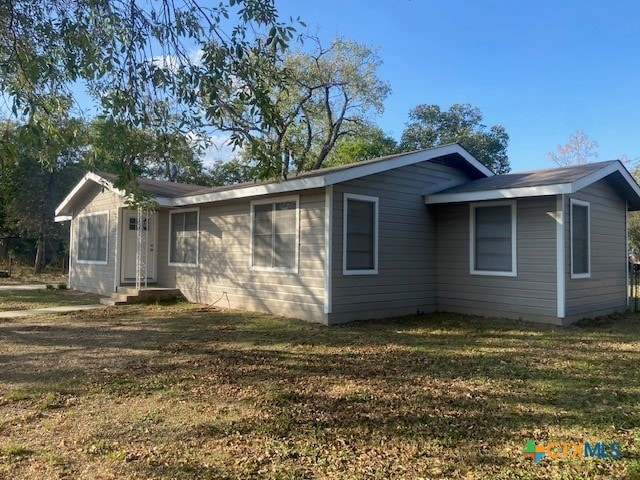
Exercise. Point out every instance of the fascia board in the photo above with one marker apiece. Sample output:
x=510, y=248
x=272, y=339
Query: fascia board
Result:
x=161, y=201
x=88, y=177
x=594, y=177
x=557, y=189
x=605, y=172
x=403, y=161
x=497, y=194
x=253, y=191
x=333, y=178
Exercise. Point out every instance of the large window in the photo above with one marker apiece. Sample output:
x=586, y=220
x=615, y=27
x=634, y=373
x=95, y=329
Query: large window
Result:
x=93, y=238
x=274, y=235
x=493, y=238
x=183, y=241
x=580, y=224
x=360, y=227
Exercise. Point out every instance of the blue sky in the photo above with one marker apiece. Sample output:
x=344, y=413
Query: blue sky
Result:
x=541, y=69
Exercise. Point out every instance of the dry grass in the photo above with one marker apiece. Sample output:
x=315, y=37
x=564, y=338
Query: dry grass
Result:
x=23, y=273
x=182, y=392
x=28, y=299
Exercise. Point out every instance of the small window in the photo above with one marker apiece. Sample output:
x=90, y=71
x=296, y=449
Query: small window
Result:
x=183, y=241
x=133, y=224
x=274, y=235
x=360, y=227
x=493, y=239
x=93, y=238
x=580, y=244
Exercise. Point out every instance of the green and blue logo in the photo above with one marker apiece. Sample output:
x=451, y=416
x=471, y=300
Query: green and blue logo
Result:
x=571, y=450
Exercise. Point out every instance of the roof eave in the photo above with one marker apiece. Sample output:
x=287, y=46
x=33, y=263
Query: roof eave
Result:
x=332, y=178
x=63, y=213
x=251, y=191
x=498, y=194
x=632, y=195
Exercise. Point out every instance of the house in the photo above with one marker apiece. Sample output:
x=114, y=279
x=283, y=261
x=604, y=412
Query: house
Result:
x=431, y=230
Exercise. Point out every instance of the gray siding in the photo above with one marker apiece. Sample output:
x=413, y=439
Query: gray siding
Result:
x=89, y=277
x=166, y=275
x=532, y=295
x=224, y=275
x=406, y=279
x=605, y=291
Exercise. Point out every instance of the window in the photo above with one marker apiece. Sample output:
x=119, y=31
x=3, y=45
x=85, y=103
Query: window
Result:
x=360, y=230
x=183, y=241
x=133, y=224
x=93, y=238
x=580, y=248
x=493, y=238
x=274, y=235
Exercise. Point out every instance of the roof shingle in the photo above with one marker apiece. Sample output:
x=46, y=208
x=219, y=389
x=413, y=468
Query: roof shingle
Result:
x=533, y=178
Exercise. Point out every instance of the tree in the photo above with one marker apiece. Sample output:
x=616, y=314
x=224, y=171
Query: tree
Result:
x=579, y=149
x=326, y=94
x=31, y=188
x=230, y=172
x=130, y=53
x=429, y=126
x=369, y=142
x=153, y=152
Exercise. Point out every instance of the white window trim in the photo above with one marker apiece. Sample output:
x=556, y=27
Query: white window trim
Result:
x=365, y=198
x=93, y=262
x=274, y=200
x=472, y=239
x=581, y=203
x=183, y=264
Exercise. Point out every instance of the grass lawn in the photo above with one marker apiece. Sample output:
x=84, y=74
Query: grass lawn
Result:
x=182, y=391
x=28, y=299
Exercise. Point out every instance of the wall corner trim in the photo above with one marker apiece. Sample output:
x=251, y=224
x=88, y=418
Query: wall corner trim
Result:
x=328, y=247
x=560, y=256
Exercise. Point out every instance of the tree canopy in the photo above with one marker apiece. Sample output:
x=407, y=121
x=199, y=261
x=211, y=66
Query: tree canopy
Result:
x=365, y=143
x=316, y=97
x=429, y=126
x=38, y=178
x=129, y=53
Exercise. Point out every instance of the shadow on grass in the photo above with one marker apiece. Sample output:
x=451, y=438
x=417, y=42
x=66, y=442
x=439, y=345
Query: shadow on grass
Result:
x=41, y=298
x=447, y=378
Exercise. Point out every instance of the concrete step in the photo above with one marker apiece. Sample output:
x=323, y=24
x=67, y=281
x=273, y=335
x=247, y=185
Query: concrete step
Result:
x=130, y=290
x=126, y=295
x=110, y=302
x=123, y=297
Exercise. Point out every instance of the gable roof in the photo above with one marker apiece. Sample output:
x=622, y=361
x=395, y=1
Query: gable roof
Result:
x=170, y=194
x=159, y=188
x=453, y=155
x=553, y=181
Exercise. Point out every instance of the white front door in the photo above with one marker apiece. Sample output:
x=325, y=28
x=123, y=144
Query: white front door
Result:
x=129, y=246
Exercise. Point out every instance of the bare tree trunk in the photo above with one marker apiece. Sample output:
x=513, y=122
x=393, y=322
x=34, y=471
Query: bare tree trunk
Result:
x=5, y=248
x=39, y=265
x=43, y=228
